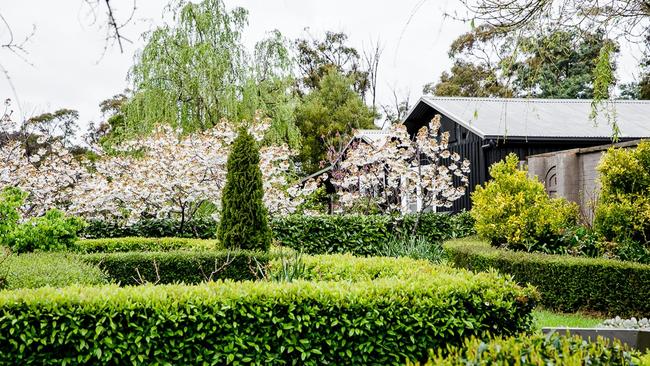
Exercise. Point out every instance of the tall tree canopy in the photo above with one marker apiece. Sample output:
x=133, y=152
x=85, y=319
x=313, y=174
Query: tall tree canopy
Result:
x=328, y=115
x=556, y=64
x=317, y=56
x=196, y=71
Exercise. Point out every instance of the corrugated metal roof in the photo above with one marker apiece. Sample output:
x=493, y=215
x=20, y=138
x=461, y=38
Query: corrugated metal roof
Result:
x=562, y=118
x=373, y=137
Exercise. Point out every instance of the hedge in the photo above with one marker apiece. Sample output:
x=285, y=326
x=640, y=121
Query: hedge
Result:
x=189, y=267
x=566, y=283
x=151, y=228
x=363, y=234
x=32, y=270
x=129, y=244
x=538, y=349
x=380, y=322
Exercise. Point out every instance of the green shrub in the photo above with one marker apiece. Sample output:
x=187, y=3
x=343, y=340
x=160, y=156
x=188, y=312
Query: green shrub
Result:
x=299, y=322
x=202, y=228
x=516, y=211
x=364, y=234
x=244, y=221
x=538, y=349
x=31, y=270
x=189, y=267
x=566, y=283
x=10, y=201
x=623, y=210
x=143, y=245
x=54, y=231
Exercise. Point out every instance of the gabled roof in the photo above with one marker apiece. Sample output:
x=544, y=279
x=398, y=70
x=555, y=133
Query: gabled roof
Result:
x=534, y=118
x=374, y=138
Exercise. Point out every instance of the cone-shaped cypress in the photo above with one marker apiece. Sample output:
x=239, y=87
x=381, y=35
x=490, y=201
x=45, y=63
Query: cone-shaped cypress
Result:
x=244, y=223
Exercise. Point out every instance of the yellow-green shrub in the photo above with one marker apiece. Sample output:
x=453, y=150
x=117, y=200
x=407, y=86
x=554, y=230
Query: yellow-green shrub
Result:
x=516, y=211
x=623, y=210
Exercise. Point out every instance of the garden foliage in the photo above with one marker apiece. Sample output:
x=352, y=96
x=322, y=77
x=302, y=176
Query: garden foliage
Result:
x=623, y=209
x=364, y=234
x=515, y=211
x=413, y=305
x=200, y=228
x=538, y=349
x=566, y=283
x=32, y=270
x=189, y=267
x=135, y=244
x=53, y=231
x=244, y=221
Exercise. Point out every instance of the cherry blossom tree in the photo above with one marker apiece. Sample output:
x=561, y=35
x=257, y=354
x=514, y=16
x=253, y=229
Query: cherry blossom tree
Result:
x=401, y=168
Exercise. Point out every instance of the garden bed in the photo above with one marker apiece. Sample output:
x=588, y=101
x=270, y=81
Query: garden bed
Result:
x=333, y=313
x=566, y=283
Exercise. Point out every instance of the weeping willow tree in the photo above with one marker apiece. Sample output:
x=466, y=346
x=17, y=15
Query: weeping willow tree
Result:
x=196, y=71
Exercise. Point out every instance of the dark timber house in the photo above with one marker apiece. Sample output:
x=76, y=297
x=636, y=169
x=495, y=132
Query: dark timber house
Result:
x=485, y=130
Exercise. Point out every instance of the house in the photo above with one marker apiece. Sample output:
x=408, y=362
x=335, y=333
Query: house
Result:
x=485, y=130
x=573, y=174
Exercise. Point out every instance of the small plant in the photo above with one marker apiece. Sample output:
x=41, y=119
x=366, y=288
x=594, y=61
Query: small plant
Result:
x=11, y=199
x=416, y=247
x=244, y=222
x=286, y=268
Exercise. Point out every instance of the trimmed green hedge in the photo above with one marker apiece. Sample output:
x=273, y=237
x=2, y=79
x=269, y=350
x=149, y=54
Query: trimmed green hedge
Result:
x=566, y=283
x=364, y=234
x=189, y=267
x=538, y=349
x=397, y=316
x=131, y=244
x=32, y=270
x=151, y=228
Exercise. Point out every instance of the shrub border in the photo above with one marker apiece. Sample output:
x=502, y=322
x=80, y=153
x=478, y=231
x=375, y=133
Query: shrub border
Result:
x=566, y=283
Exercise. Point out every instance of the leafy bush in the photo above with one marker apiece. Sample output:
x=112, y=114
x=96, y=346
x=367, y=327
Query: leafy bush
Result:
x=10, y=201
x=566, y=283
x=134, y=268
x=299, y=322
x=202, y=228
x=244, y=221
x=54, y=231
x=538, y=349
x=515, y=211
x=31, y=270
x=623, y=210
x=364, y=234
x=143, y=245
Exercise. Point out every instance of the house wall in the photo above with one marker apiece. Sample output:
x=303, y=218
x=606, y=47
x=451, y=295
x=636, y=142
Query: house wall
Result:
x=572, y=174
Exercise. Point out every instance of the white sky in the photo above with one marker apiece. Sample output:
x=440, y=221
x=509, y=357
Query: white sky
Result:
x=65, y=67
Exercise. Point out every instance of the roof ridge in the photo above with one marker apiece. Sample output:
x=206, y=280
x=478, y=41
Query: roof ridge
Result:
x=536, y=100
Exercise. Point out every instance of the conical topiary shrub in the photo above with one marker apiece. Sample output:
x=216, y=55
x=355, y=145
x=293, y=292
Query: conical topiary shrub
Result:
x=244, y=223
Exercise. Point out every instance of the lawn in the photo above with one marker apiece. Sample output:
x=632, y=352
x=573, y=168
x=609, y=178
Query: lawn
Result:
x=545, y=318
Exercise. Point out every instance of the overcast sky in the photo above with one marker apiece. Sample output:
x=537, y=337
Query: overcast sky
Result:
x=64, y=67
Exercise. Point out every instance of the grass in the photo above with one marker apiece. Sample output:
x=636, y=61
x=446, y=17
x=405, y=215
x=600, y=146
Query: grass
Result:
x=545, y=318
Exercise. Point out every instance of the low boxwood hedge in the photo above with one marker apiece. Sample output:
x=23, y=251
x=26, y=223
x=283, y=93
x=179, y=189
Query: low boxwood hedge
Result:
x=152, y=228
x=398, y=315
x=566, y=283
x=189, y=267
x=364, y=234
x=554, y=349
x=129, y=244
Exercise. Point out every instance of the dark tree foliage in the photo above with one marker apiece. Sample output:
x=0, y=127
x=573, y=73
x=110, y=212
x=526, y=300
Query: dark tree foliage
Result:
x=539, y=64
x=328, y=116
x=244, y=222
x=317, y=56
